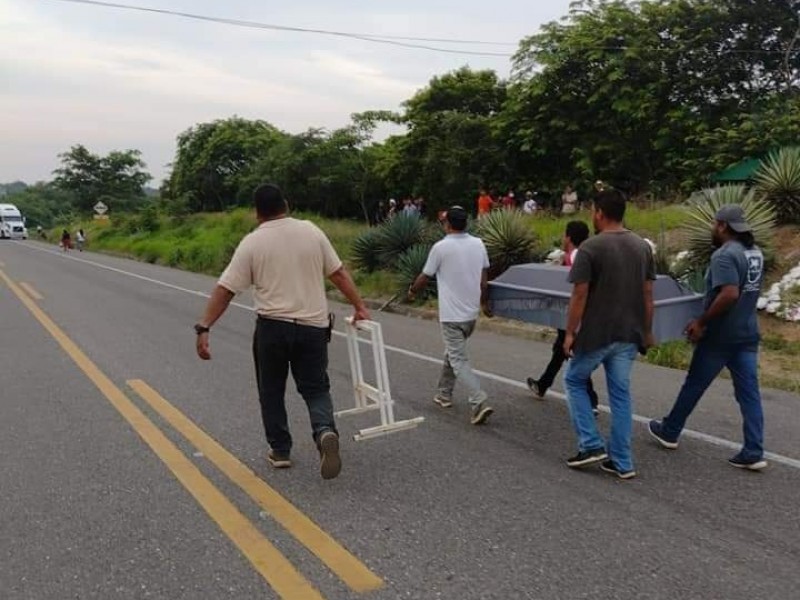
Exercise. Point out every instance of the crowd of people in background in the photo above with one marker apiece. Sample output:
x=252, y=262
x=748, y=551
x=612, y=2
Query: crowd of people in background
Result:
x=530, y=203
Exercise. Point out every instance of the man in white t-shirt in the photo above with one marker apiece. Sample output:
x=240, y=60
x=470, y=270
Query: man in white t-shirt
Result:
x=460, y=264
x=286, y=262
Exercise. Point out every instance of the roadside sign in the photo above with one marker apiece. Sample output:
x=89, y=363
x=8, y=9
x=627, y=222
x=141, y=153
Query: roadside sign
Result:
x=100, y=208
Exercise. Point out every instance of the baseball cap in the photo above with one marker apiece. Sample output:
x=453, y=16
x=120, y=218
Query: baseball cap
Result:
x=733, y=215
x=457, y=216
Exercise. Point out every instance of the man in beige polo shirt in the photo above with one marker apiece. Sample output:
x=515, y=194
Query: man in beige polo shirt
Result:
x=286, y=262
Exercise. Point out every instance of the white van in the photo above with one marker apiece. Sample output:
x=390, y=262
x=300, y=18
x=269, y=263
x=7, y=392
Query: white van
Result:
x=12, y=223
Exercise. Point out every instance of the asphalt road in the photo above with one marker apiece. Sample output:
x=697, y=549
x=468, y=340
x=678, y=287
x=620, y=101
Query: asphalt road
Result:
x=103, y=496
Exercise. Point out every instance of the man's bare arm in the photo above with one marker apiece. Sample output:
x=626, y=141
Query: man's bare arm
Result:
x=218, y=303
x=649, y=310
x=420, y=283
x=345, y=284
x=577, y=306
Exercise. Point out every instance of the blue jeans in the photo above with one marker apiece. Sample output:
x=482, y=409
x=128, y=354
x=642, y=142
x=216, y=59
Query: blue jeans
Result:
x=617, y=360
x=707, y=362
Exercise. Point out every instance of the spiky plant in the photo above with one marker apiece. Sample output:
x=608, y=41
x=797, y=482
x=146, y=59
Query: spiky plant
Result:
x=508, y=237
x=778, y=178
x=410, y=265
x=758, y=212
x=398, y=235
x=364, y=251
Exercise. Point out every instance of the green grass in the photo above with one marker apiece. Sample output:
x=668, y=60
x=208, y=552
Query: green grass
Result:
x=646, y=222
x=202, y=243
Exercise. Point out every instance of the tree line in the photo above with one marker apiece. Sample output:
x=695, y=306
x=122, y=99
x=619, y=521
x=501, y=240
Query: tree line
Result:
x=653, y=97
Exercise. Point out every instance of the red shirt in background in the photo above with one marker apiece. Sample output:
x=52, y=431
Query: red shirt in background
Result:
x=485, y=204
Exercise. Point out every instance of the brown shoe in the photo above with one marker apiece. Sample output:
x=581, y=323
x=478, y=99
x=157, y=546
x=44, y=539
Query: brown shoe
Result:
x=331, y=464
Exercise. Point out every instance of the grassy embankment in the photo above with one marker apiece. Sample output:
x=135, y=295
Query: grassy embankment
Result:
x=204, y=243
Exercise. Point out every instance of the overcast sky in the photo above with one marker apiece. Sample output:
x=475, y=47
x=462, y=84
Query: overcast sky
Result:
x=113, y=79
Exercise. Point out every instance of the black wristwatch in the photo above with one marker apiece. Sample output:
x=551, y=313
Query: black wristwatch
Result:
x=201, y=329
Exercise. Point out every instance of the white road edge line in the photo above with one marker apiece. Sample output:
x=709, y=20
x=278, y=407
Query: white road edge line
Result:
x=690, y=433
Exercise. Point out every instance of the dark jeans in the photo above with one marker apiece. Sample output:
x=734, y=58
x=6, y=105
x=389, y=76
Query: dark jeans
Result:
x=277, y=347
x=556, y=362
x=707, y=362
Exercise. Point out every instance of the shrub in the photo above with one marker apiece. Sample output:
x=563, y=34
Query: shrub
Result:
x=758, y=212
x=364, y=251
x=508, y=238
x=779, y=179
x=400, y=234
x=410, y=265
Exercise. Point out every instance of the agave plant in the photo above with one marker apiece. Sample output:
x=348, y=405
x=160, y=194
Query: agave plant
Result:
x=364, y=251
x=779, y=178
x=410, y=265
x=508, y=238
x=757, y=210
x=398, y=235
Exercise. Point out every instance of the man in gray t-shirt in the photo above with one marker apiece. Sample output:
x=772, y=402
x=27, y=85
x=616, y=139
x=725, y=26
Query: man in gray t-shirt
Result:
x=610, y=319
x=726, y=335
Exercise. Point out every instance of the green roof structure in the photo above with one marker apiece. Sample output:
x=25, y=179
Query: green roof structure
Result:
x=739, y=173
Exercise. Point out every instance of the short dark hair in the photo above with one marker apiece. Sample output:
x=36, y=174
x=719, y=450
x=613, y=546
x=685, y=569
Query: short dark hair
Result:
x=577, y=232
x=457, y=218
x=612, y=205
x=269, y=201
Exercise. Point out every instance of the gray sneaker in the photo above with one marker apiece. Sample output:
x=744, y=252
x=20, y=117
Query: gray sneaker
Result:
x=331, y=463
x=481, y=414
x=443, y=401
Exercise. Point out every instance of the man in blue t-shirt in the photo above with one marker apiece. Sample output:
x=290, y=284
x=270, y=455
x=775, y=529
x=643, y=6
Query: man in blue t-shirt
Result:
x=726, y=335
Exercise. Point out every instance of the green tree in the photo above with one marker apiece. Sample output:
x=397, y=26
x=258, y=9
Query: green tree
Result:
x=213, y=159
x=631, y=91
x=43, y=204
x=117, y=178
x=451, y=147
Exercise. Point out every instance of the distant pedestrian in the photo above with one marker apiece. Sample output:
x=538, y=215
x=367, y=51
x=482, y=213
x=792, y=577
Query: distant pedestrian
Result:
x=66, y=241
x=380, y=213
x=485, y=203
x=726, y=335
x=81, y=239
x=460, y=264
x=422, y=207
x=286, y=261
x=576, y=233
x=610, y=318
x=530, y=207
x=392, y=208
x=509, y=201
x=569, y=201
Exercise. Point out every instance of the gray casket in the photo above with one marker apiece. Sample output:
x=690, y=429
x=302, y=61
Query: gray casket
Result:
x=539, y=293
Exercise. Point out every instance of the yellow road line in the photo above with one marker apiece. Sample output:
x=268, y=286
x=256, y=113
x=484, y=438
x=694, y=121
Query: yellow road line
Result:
x=279, y=573
x=31, y=291
x=349, y=569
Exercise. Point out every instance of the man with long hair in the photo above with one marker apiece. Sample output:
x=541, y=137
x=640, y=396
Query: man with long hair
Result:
x=726, y=335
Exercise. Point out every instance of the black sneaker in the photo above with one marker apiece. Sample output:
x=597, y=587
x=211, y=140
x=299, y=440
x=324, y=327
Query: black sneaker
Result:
x=609, y=467
x=747, y=463
x=278, y=460
x=331, y=463
x=584, y=459
x=656, y=430
x=537, y=388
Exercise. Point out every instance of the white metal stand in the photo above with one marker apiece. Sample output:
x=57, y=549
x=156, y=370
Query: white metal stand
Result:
x=369, y=397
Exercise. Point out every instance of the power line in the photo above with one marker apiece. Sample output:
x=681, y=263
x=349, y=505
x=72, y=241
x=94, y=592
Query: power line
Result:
x=402, y=41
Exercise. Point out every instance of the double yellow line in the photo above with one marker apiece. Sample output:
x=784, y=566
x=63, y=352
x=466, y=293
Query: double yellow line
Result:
x=267, y=560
